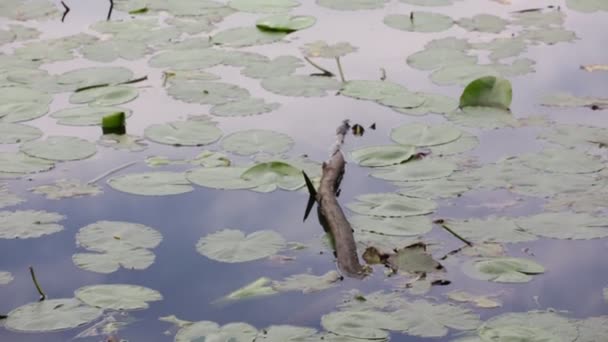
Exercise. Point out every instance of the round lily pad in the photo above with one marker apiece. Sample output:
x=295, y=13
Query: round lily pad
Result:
x=435, y=58
x=419, y=134
x=24, y=224
x=320, y=49
x=483, y=23
x=383, y=155
x=432, y=103
x=298, y=85
x=490, y=229
x=210, y=331
x=483, y=117
x=222, y=178
x=246, y=36
x=391, y=205
x=263, y=6
x=427, y=319
x=105, y=263
x=16, y=133
x=273, y=174
x=565, y=225
x=105, y=96
x=59, y=148
x=245, y=107
x=183, y=133
x=529, y=326
x=109, y=50
x=230, y=245
x=205, y=92
x=466, y=142
x=22, y=163
x=285, y=23
x=359, y=324
x=416, y=170
x=398, y=226
x=12, y=112
x=503, y=270
x=51, y=315
x=152, y=183
x=280, y=66
x=351, y=5
x=462, y=74
x=113, y=236
x=85, y=115
x=562, y=161
x=371, y=90
x=117, y=296
x=419, y=22
x=187, y=59
x=86, y=77
x=257, y=141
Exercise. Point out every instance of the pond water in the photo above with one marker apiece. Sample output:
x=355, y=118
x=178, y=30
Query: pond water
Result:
x=192, y=285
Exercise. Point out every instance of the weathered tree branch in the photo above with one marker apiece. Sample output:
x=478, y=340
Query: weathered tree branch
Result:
x=67, y=10
x=111, y=9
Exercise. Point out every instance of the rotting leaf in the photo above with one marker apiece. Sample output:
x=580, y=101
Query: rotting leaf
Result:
x=414, y=259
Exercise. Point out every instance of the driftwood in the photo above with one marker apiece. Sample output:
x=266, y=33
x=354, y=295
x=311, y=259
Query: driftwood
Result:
x=330, y=213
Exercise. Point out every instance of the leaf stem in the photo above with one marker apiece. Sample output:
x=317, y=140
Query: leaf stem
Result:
x=340, y=69
x=110, y=10
x=42, y=295
x=67, y=10
x=456, y=235
x=110, y=172
x=325, y=72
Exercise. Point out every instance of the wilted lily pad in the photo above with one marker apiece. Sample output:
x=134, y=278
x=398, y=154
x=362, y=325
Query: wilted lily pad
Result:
x=85, y=115
x=258, y=288
x=186, y=133
x=17, y=133
x=230, y=245
x=285, y=23
x=503, y=270
x=413, y=259
x=65, y=188
x=152, y=183
x=105, y=96
x=24, y=224
x=246, y=36
x=299, y=85
x=308, y=283
x=257, y=141
x=419, y=134
x=117, y=296
x=391, y=205
x=51, y=315
x=59, y=148
x=5, y=277
x=489, y=91
x=419, y=22
x=383, y=155
x=270, y=175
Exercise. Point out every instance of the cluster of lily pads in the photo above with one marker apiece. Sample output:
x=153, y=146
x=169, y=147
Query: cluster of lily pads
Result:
x=425, y=162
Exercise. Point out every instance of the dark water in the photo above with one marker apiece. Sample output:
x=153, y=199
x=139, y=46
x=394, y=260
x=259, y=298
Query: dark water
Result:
x=189, y=282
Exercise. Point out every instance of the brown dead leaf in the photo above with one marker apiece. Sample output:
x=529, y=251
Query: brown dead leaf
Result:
x=595, y=67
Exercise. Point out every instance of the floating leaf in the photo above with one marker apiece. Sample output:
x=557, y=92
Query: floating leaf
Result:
x=25, y=224
x=416, y=170
x=320, y=49
x=7, y=198
x=105, y=96
x=271, y=175
x=263, y=6
x=136, y=259
x=51, y=315
x=483, y=302
x=123, y=142
x=280, y=66
x=484, y=117
x=549, y=35
x=22, y=163
x=117, y=296
x=466, y=142
x=419, y=134
x=87, y=77
x=562, y=161
x=436, y=188
x=587, y=6
x=483, y=23
x=503, y=270
x=435, y=58
x=254, y=141
x=285, y=333
x=65, y=188
x=413, y=259
x=432, y=103
x=204, y=92
x=490, y=229
x=187, y=59
x=568, y=100
x=298, y=85
x=5, y=277
x=16, y=133
x=359, y=324
x=503, y=47
x=85, y=115
x=594, y=67
x=391, y=205
x=285, y=23
x=488, y=91
x=246, y=36
x=257, y=288
x=230, y=245
x=528, y=326
x=244, y=107
x=222, y=178
x=59, y=148
x=152, y=183
x=109, y=50
x=425, y=319
x=184, y=133
x=383, y=155
x=351, y=5
x=565, y=225
x=210, y=331
x=372, y=90
x=308, y=283
x=419, y=22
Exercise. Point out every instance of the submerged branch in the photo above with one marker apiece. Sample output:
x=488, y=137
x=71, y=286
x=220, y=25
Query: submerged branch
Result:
x=324, y=71
x=42, y=295
x=67, y=10
x=110, y=172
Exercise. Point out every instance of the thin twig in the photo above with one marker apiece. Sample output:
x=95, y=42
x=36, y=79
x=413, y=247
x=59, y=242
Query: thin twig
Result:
x=110, y=11
x=456, y=235
x=42, y=295
x=135, y=80
x=325, y=72
x=382, y=74
x=453, y=252
x=340, y=69
x=110, y=172
x=67, y=10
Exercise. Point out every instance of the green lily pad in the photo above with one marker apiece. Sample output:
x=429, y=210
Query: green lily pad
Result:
x=244, y=107
x=308, y=283
x=371, y=90
x=483, y=23
x=25, y=224
x=562, y=161
x=285, y=333
x=435, y=58
x=5, y=277
x=117, y=296
x=419, y=134
x=404, y=101
x=105, y=96
x=549, y=35
x=59, y=148
x=419, y=22
x=491, y=229
x=152, y=183
x=574, y=135
x=263, y=6
x=270, y=175
x=395, y=226
x=187, y=59
x=285, y=23
x=432, y=103
x=320, y=49
x=568, y=100
x=204, y=92
x=351, y=5
x=87, y=77
x=371, y=325
x=280, y=66
x=391, y=205
x=51, y=315
x=221, y=178
x=503, y=270
x=105, y=263
x=383, y=155
x=65, y=188
x=85, y=115
x=528, y=326
x=22, y=163
x=230, y=245
x=466, y=142
x=7, y=198
x=258, y=288
x=587, y=6
x=484, y=302
x=416, y=170
x=299, y=85
x=246, y=36
x=12, y=112
x=413, y=259
x=540, y=19
x=257, y=141
x=503, y=47
x=426, y=319
x=127, y=142
x=488, y=91
x=110, y=50
x=483, y=117
x=183, y=133
x=565, y=225
x=211, y=331
x=16, y=133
